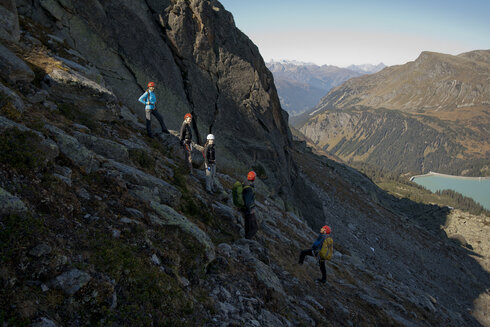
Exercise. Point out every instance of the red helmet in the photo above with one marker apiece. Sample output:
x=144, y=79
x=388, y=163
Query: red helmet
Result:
x=187, y=116
x=251, y=176
x=326, y=229
x=151, y=84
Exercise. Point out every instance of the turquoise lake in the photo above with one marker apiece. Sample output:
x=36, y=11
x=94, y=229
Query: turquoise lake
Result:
x=478, y=190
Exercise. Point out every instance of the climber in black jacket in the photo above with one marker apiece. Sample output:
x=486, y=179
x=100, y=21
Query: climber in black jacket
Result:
x=186, y=138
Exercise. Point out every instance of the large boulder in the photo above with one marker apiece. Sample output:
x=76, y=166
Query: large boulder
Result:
x=7, y=95
x=162, y=190
x=168, y=216
x=103, y=147
x=9, y=21
x=12, y=68
x=71, y=281
x=75, y=151
x=11, y=204
x=47, y=146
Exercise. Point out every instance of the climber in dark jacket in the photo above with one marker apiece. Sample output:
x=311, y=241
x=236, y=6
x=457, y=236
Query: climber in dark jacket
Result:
x=248, y=194
x=315, y=249
x=209, y=153
x=149, y=99
x=186, y=138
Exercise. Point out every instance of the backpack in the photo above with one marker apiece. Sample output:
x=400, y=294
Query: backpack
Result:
x=237, y=192
x=327, y=249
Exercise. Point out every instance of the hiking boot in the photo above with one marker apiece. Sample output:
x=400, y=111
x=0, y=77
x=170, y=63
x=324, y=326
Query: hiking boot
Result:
x=320, y=280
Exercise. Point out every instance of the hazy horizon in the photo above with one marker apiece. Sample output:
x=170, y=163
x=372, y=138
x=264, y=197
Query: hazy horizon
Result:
x=356, y=32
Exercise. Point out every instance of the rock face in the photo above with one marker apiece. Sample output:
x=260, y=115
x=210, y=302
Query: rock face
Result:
x=9, y=21
x=11, y=204
x=429, y=114
x=200, y=62
x=12, y=68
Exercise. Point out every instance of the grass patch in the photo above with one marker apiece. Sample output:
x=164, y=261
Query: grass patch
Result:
x=142, y=159
x=8, y=110
x=16, y=233
x=20, y=150
x=144, y=288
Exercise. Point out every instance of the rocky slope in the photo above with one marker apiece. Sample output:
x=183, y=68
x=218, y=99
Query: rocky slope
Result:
x=100, y=225
x=301, y=85
x=430, y=114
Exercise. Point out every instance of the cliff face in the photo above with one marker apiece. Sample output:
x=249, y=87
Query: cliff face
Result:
x=430, y=114
x=101, y=225
x=201, y=63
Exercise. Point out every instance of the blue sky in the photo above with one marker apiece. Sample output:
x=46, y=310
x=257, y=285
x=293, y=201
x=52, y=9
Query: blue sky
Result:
x=356, y=32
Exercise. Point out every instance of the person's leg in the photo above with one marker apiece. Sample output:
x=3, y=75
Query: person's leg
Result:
x=208, y=179
x=323, y=269
x=213, y=178
x=148, y=122
x=247, y=224
x=160, y=120
x=189, y=156
x=303, y=254
x=254, y=227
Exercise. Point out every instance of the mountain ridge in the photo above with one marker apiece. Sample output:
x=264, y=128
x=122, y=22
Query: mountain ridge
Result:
x=438, y=94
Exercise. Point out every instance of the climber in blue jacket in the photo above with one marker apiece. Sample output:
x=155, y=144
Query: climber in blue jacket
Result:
x=149, y=99
x=315, y=249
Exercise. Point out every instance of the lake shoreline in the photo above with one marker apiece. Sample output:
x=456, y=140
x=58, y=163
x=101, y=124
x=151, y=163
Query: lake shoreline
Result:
x=431, y=173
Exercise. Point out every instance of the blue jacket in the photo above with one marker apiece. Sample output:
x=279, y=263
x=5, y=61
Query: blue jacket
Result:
x=317, y=246
x=145, y=98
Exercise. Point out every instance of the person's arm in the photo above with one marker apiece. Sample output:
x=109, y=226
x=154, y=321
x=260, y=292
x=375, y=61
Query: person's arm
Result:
x=143, y=98
x=206, y=156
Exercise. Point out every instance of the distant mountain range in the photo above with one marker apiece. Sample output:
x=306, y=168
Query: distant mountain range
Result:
x=429, y=114
x=301, y=85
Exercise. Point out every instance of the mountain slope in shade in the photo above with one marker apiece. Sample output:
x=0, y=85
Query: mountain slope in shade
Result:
x=301, y=86
x=429, y=114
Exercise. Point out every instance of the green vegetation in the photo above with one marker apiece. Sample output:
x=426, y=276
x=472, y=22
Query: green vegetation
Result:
x=142, y=159
x=147, y=289
x=20, y=150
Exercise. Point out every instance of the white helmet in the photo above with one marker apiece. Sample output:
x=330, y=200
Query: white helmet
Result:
x=210, y=137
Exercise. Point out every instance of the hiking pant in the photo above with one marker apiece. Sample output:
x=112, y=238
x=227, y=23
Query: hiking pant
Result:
x=188, y=154
x=155, y=113
x=210, y=176
x=251, y=226
x=309, y=252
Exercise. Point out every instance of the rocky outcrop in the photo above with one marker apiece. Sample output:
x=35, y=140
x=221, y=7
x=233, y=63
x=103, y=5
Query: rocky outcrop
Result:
x=9, y=21
x=11, y=204
x=169, y=216
x=12, y=68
